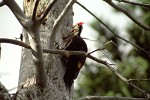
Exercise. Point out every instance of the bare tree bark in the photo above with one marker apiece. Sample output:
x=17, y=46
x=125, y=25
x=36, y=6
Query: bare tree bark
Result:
x=55, y=88
x=4, y=95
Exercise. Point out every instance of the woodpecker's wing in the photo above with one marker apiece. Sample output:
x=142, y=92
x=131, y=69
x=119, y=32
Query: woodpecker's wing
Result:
x=74, y=63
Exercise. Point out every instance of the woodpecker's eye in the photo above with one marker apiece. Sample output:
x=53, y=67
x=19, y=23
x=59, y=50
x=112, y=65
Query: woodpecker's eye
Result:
x=76, y=30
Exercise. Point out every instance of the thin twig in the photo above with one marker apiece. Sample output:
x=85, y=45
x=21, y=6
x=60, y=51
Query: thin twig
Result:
x=99, y=49
x=108, y=43
x=140, y=79
x=112, y=30
x=132, y=44
x=59, y=20
x=45, y=13
x=91, y=39
x=135, y=3
x=103, y=51
x=35, y=10
x=108, y=98
x=105, y=54
x=127, y=14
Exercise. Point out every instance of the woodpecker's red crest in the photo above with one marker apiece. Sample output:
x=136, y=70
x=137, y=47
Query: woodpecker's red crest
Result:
x=80, y=23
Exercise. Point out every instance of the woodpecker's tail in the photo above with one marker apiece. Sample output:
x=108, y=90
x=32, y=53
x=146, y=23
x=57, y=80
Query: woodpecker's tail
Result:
x=68, y=79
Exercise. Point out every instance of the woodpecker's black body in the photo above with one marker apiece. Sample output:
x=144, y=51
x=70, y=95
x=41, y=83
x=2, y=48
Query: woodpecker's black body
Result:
x=74, y=63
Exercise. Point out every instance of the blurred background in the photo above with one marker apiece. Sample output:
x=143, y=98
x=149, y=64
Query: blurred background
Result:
x=94, y=79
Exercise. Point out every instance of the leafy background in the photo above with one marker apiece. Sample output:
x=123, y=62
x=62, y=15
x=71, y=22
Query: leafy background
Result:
x=132, y=63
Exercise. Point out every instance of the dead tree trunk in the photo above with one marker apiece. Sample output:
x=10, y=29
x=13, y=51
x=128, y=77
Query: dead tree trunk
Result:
x=55, y=88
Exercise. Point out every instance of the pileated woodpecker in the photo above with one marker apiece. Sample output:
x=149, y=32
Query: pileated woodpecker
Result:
x=73, y=63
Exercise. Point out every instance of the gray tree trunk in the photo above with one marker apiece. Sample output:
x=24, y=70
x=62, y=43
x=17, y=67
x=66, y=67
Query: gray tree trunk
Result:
x=55, y=87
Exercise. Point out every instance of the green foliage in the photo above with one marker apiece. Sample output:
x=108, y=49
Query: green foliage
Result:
x=134, y=64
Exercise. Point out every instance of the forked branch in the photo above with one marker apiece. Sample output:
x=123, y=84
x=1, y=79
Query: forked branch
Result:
x=17, y=12
x=59, y=20
x=127, y=14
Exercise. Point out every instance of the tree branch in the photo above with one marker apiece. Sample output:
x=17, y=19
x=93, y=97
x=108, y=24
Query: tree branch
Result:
x=45, y=13
x=127, y=14
x=135, y=3
x=140, y=79
x=59, y=20
x=62, y=52
x=115, y=34
x=109, y=98
x=53, y=51
x=35, y=10
x=38, y=58
x=16, y=42
x=17, y=12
